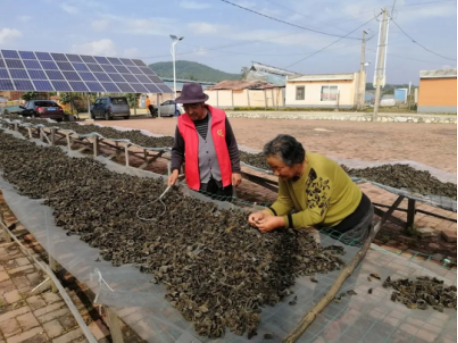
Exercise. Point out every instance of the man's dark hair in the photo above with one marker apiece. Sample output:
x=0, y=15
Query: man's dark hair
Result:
x=286, y=148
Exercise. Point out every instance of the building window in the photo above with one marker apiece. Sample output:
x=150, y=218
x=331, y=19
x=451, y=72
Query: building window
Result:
x=300, y=93
x=329, y=93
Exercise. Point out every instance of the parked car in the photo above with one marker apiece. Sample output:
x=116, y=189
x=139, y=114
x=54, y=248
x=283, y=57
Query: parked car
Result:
x=167, y=108
x=110, y=107
x=42, y=109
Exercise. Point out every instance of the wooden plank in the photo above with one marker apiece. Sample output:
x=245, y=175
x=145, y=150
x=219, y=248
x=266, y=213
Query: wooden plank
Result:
x=114, y=325
x=96, y=146
x=126, y=149
x=392, y=219
x=260, y=181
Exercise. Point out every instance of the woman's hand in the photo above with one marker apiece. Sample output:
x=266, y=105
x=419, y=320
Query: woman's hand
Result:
x=270, y=223
x=254, y=218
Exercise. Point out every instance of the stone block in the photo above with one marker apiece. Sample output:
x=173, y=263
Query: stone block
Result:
x=14, y=313
x=3, y=276
x=53, y=328
x=449, y=236
x=48, y=309
x=10, y=327
x=71, y=336
x=53, y=315
x=27, y=321
x=36, y=302
x=51, y=297
x=22, y=261
x=427, y=232
x=12, y=297
x=27, y=335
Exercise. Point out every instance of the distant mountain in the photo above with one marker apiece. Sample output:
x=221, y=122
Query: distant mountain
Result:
x=192, y=71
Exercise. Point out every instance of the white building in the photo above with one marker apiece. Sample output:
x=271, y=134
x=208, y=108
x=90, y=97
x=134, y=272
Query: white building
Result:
x=324, y=90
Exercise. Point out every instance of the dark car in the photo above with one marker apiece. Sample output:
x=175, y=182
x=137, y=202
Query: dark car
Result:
x=110, y=107
x=42, y=109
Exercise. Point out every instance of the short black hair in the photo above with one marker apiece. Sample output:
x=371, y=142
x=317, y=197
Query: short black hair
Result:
x=286, y=148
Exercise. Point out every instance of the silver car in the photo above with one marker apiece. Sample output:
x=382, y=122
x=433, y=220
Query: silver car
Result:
x=167, y=108
x=110, y=107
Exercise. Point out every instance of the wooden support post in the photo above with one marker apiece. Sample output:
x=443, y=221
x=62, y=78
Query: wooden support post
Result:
x=53, y=265
x=126, y=149
x=69, y=141
x=410, y=213
x=29, y=129
x=117, y=150
x=53, y=135
x=96, y=145
x=16, y=127
x=115, y=327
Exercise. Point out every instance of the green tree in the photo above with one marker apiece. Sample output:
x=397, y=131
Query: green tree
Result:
x=132, y=99
x=29, y=96
x=192, y=77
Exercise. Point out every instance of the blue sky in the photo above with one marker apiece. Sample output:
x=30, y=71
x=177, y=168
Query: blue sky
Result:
x=228, y=38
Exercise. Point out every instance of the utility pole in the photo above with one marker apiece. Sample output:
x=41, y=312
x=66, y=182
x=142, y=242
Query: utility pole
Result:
x=362, y=75
x=381, y=55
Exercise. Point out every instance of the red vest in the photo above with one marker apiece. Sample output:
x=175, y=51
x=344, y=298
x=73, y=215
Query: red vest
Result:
x=191, y=139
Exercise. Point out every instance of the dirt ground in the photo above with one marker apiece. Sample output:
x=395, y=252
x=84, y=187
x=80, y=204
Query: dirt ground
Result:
x=430, y=144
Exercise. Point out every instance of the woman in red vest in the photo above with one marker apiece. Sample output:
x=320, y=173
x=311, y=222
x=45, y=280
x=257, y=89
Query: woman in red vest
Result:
x=205, y=142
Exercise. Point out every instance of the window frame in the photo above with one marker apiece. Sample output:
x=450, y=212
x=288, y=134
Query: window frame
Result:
x=329, y=94
x=297, y=93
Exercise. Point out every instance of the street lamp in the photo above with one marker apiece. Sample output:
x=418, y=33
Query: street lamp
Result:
x=175, y=40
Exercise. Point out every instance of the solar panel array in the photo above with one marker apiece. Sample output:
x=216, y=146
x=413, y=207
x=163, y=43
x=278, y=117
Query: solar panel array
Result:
x=48, y=72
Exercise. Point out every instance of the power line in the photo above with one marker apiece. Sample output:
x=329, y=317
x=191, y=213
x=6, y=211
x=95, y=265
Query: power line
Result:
x=426, y=3
x=288, y=23
x=425, y=48
x=414, y=59
x=327, y=46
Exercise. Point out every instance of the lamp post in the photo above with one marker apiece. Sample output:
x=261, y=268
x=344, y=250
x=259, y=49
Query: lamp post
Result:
x=175, y=40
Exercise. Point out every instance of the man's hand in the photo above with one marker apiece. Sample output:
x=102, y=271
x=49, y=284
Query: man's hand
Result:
x=270, y=223
x=173, y=178
x=236, y=179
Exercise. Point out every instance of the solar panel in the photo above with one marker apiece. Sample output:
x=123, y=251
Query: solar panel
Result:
x=37, y=74
x=142, y=78
x=78, y=86
x=152, y=88
x=95, y=87
x=32, y=64
x=130, y=78
x=27, y=55
x=49, y=65
x=102, y=77
x=88, y=59
x=139, y=88
x=23, y=85
x=10, y=54
x=19, y=74
x=4, y=74
x=43, y=71
x=43, y=56
x=71, y=75
x=65, y=66
x=87, y=77
x=55, y=75
x=117, y=78
x=110, y=87
x=74, y=58
x=125, y=87
x=43, y=86
x=14, y=63
x=59, y=57
x=101, y=60
x=108, y=69
x=80, y=67
x=62, y=86
x=95, y=67
x=6, y=85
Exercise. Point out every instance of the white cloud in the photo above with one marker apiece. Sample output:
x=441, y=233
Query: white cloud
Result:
x=100, y=24
x=69, y=8
x=131, y=53
x=7, y=34
x=202, y=28
x=24, y=18
x=194, y=5
x=103, y=47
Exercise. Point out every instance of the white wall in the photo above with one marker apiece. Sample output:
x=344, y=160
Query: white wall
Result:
x=347, y=92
